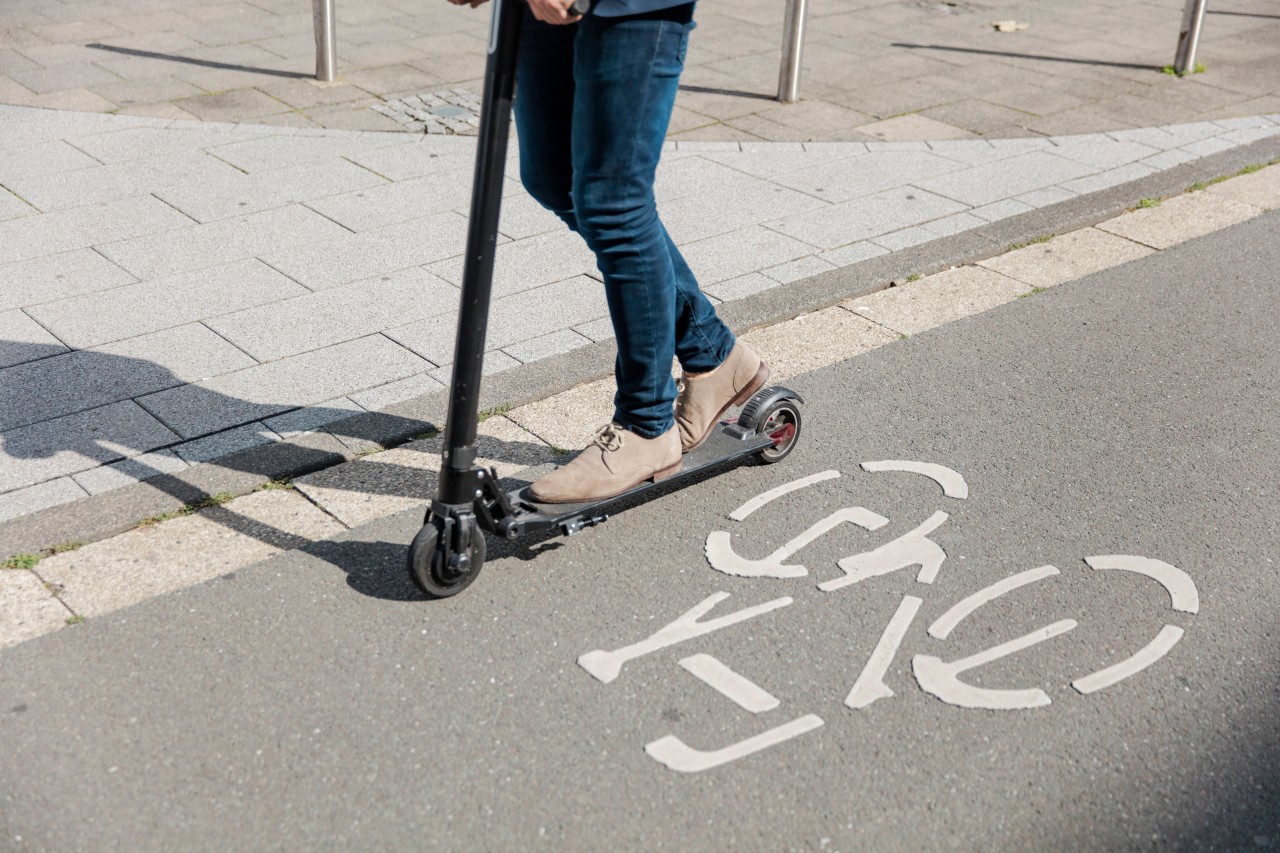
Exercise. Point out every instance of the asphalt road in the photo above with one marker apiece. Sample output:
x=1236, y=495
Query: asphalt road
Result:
x=315, y=702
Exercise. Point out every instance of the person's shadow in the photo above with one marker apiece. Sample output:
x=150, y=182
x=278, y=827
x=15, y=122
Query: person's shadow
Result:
x=93, y=405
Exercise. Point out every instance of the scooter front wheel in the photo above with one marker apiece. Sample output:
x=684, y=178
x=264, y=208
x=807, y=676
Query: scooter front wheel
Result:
x=429, y=564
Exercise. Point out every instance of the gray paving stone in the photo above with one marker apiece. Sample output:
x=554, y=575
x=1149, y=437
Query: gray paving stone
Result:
x=158, y=558
x=126, y=141
x=13, y=207
x=64, y=230
x=389, y=204
x=129, y=471
x=1206, y=147
x=904, y=239
x=27, y=608
x=544, y=346
x=57, y=276
x=225, y=443
x=137, y=309
x=957, y=222
x=338, y=314
x=23, y=339
x=62, y=77
x=798, y=269
x=311, y=418
x=523, y=217
x=729, y=205
x=236, y=193
x=768, y=164
x=1066, y=258
x=512, y=319
x=1044, y=197
x=971, y=151
x=42, y=159
x=268, y=389
x=86, y=379
x=1110, y=178
x=860, y=219
x=921, y=305
x=745, y=251
x=742, y=286
x=1168, y=159
x=853, y=253
x=1260, y=189
x=398, y=162
x=596, y=330
x=351, y=257
x=117, y=181
x=265, y=154
x=827, y=336
x=858, y=177
x=1179, y=219
x=981, y=185
x=202, y=246
x=1245, y=136
x=44, y=495
x=379, y=398
x=1104, y=155
x=495, y=361
x=77, y=442
x=533, y=262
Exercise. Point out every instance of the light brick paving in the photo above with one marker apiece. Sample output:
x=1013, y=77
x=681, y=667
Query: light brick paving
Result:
x=229, y=277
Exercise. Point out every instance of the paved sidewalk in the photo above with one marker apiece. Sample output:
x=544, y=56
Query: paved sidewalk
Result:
x=873, y=69
x=190, y=547
x=178, y=291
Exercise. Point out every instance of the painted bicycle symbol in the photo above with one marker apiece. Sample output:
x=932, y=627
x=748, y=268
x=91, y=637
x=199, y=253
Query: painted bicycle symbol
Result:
x=939, y=678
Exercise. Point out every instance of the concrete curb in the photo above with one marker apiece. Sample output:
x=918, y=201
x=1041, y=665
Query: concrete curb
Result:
x=110, y=513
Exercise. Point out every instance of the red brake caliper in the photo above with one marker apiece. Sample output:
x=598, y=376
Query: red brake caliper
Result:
x=786, y=433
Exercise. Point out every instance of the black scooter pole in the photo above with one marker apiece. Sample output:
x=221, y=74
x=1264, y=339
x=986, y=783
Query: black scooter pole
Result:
x=456, y=484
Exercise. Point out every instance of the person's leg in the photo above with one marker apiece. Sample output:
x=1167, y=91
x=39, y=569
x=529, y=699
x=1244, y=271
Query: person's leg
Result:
x=703, y=341
x=544, y=114
x=626, y=73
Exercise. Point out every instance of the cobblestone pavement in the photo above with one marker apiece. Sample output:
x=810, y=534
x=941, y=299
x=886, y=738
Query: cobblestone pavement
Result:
x=873, y=69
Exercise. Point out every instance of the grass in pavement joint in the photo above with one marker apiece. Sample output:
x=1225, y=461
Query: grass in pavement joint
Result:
x=1043, y=238
x=1032, y=292
x=192, y=507
x=1148, y=203
x=494, y=412
x=75, y=620
x=915, y=276
x=275, y=485
x=21, y=561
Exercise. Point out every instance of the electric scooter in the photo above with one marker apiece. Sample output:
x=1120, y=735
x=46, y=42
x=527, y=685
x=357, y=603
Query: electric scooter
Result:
x=446, y=555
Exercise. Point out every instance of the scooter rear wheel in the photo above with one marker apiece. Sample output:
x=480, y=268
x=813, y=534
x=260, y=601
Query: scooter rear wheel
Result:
x=781, y=422
x=428, y=564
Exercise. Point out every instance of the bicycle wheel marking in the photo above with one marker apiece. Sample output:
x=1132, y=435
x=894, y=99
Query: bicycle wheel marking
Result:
x=944, y=624
x=935, y=676
x=1150, y=653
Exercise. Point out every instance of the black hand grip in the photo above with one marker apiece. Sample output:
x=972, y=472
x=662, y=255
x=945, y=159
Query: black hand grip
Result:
x=580, y=7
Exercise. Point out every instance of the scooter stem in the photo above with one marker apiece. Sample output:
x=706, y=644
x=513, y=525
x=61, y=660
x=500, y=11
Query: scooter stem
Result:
x=456, y=484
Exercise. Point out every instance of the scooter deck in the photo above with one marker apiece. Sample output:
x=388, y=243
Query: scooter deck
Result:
x=725, y=444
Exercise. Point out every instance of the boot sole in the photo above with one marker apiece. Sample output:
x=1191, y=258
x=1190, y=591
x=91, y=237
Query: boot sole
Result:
x=656, y=477
x=756, y=383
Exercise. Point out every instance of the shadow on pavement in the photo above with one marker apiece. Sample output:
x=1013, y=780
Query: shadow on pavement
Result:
x=1033, y=56
x=206, y=63
x=53, y=384
x=732, y=93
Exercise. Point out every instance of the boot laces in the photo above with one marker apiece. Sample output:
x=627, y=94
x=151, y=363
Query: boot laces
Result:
x=609, y=438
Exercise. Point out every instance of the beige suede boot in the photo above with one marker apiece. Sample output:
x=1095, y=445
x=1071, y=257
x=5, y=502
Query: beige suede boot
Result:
x=703, y=399
x=614, y=461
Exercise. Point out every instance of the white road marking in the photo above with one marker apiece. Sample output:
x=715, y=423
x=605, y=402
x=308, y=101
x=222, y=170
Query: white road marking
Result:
x=724, y=559
x=953, y=485
x=1150, y=653
x=910, y=549
x=942, y=679
x=1182, y=589
x=760, y=500
x=606, y=666
x=870, y=685
x=675, y=754
x=944, y=624
x=746, y=693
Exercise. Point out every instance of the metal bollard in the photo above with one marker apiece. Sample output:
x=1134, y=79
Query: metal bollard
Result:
x=326, y=41
x=792, y=48
x=1189, y=40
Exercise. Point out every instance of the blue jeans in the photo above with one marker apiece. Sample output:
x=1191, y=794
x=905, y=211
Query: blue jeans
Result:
x=592, y=104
